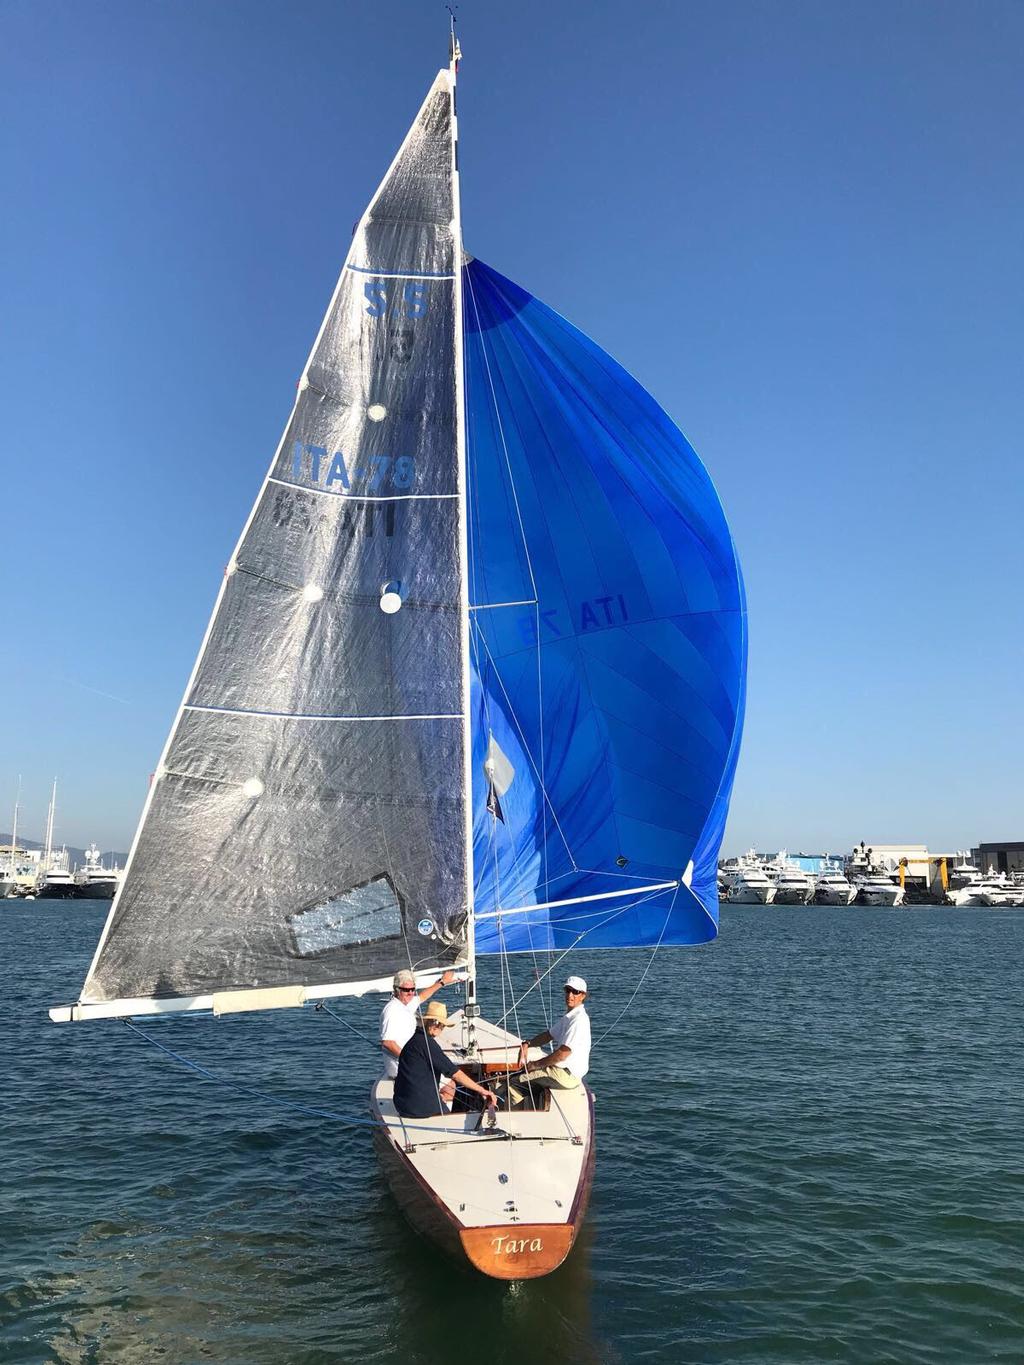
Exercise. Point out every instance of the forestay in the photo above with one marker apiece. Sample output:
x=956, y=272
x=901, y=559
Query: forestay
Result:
x=609, y=635
x=306, y=824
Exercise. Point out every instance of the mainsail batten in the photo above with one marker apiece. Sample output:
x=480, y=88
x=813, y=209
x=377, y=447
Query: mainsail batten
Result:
x=257, y=845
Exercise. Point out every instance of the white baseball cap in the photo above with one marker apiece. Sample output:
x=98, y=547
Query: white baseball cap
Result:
x=576, y=983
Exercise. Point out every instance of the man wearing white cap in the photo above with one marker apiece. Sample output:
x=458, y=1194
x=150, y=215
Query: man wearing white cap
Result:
x=398, y=1017
x=569, y=1060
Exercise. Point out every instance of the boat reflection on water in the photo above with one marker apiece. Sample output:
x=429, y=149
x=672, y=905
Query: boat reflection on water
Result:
x=440, y=1306
x=444, y=1306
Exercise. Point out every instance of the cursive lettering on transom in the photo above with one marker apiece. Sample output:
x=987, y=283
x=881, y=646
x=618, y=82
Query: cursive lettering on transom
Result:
x=513, y=1245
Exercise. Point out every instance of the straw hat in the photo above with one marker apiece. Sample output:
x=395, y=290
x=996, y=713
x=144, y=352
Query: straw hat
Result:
x=436, y=1010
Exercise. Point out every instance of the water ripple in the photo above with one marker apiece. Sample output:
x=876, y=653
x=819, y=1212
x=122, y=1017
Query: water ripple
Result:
x=808, y=1151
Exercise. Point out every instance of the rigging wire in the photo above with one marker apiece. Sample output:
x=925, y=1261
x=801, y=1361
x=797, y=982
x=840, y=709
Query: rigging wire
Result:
x=442, y=1106
x=643, y=978
x=493, y=839
x=541, y=774
x=478, y=637
x=632, y=905
x=533, y=764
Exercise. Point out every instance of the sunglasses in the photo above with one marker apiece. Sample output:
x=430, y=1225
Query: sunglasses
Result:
x=406, y=990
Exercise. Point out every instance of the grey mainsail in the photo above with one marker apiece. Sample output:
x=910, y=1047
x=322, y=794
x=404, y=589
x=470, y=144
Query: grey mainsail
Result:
x=306, y=825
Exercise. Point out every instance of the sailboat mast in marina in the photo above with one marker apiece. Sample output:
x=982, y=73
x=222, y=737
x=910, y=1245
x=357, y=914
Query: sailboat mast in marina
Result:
x=473, y=684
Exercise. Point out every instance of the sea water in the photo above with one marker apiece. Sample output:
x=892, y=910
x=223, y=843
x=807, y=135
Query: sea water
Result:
x=810, y=1148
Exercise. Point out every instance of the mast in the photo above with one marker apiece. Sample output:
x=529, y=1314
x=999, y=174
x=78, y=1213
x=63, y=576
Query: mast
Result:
x=14, y=833
x=49, y=828
x=472, y=1008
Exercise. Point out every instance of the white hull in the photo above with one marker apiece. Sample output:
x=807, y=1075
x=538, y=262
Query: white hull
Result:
x=888, y=896
x=835, y=896
x=792, y=896
x=510, y=1204
x=969, y=897
x=751, y=895
x=1008, y=897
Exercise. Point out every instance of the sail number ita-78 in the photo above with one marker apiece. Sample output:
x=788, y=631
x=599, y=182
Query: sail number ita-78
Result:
x=373, y=474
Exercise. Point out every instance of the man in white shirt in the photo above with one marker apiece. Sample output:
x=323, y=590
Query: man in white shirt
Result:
x=564, y=1067
x=398, y=1017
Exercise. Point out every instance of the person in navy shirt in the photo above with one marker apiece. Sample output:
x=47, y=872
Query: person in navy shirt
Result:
x=418, y=1090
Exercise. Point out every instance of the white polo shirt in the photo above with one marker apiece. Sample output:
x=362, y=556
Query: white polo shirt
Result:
x=397, y=1025
x=573, y=1031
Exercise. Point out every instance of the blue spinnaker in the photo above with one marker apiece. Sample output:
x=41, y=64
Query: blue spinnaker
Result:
x=609, y=641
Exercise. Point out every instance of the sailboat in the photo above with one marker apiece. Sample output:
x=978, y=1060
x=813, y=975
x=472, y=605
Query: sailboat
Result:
x=473, y=684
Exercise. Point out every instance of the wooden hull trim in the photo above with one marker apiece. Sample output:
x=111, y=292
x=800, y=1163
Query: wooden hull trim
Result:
x=520, y=1251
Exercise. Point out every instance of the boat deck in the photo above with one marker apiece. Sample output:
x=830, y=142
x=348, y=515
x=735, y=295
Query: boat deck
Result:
x=528, y=1173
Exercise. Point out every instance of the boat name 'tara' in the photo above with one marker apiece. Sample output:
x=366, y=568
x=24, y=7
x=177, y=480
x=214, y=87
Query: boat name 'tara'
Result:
x=516, y=1244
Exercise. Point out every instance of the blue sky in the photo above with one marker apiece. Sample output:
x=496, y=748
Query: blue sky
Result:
x=798, y=222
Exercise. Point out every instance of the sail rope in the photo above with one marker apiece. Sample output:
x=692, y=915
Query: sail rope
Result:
x=322, y=1006
x=625, y=1009
x=352, y=1120
x=641, y=900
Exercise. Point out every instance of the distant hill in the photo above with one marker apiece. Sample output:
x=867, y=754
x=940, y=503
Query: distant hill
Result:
x=76, y=856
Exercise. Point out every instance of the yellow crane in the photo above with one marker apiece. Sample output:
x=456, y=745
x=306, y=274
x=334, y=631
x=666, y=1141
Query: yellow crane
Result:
x=941, y=858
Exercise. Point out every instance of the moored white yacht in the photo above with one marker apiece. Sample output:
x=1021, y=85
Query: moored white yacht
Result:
x=876, y=888
x=95, y=882
x=793, y=886
x=998, y=891
x=833, y=888
x=873, y=885
x=749, y=884
x=56, y=882
x=965, y=882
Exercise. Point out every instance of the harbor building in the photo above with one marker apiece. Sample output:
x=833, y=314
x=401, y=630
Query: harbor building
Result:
x=1007, y=858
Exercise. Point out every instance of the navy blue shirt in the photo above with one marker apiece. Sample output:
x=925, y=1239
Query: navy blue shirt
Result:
x=420, y=1066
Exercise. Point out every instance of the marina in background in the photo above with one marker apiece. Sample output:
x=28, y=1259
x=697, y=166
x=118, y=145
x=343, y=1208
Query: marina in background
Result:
x=990, y=876
x=31, y=870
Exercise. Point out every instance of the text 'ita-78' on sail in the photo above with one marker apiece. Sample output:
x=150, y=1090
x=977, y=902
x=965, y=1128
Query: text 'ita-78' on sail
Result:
x=473, y=684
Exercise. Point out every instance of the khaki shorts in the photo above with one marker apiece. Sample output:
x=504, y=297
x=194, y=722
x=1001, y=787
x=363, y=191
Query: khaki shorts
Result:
x=556, y=1077
x=548, y=1077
